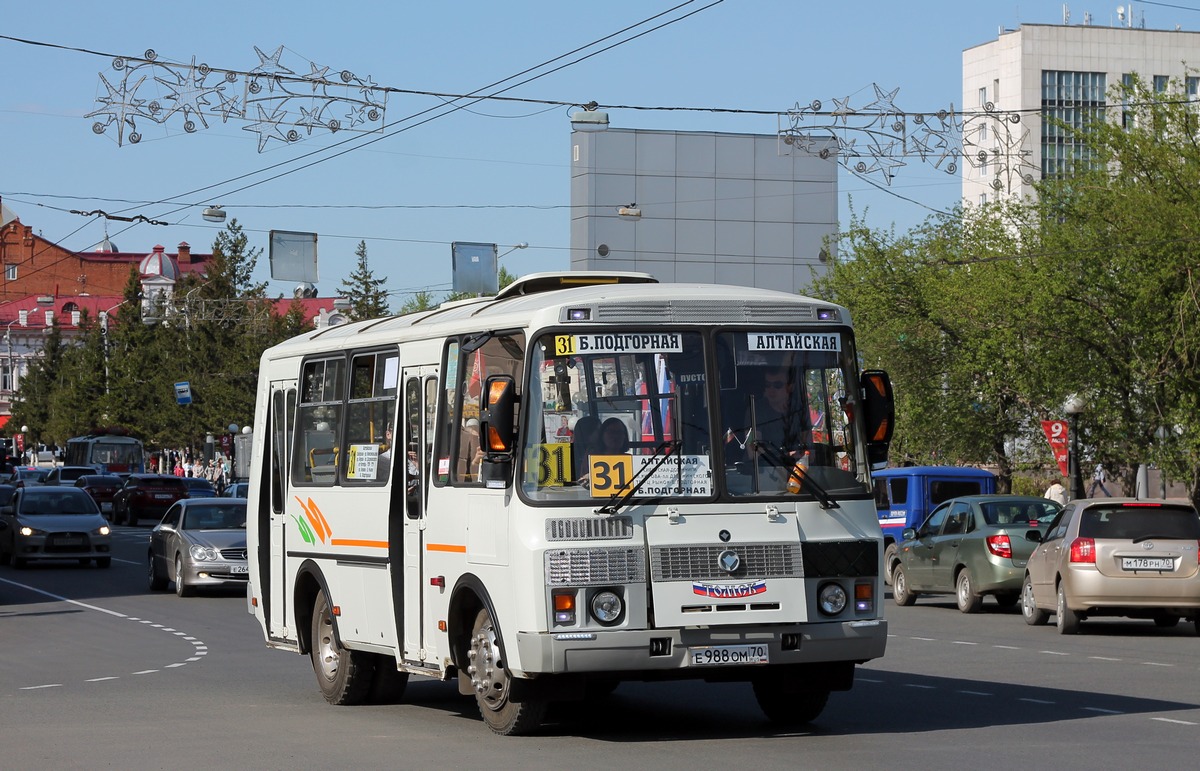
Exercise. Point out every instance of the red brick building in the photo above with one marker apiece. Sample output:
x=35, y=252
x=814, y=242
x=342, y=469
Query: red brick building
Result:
x=44, y=283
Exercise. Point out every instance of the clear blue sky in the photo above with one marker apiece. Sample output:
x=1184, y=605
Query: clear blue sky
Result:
x=494, y=171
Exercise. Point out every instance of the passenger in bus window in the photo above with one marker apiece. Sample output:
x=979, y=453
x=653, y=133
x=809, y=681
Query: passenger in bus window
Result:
x=613, y=439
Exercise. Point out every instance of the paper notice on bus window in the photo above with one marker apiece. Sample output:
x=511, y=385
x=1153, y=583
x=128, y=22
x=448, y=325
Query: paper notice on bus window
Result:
x=363, y=462
x=793, y=341
x=619, y=342
x=683, y=476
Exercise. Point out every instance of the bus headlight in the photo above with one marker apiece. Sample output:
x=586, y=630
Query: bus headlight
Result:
x=831, y=599
x=607, y=607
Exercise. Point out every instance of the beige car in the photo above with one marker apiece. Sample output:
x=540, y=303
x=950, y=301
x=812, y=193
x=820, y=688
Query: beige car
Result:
x=1115, y=557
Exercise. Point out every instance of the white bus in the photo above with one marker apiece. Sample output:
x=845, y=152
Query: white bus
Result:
x=582, y=480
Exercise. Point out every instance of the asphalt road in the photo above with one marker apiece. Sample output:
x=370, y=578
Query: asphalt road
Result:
x=97, y=672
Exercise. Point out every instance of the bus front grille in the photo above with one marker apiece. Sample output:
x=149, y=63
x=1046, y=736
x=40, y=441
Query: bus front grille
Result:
x=755, y=560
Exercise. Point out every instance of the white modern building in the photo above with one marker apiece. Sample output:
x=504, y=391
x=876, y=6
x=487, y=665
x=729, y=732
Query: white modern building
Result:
x=742, y=209
x=1065, y=71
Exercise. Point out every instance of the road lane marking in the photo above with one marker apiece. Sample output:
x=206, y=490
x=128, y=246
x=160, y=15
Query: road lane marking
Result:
x=975, y=693
x=200, y=649
x=1055, y=653
x=1104, y=711
x=1169, y=720
x=1034, y=701
x=1007, y=647
x=1103, y=658
x=1156, y=664
x=964, y=642
x=920, y=685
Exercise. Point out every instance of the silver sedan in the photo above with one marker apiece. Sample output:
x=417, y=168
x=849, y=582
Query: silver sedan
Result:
x=200, y=542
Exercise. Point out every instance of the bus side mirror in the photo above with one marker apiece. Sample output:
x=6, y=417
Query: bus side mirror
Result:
x=879, y=414
x=497, y=434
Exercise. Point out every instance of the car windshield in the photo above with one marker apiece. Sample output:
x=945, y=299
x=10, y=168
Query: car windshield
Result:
x=1019, y=512
x=1127, y=522
x=214, y=518
x=57, y=504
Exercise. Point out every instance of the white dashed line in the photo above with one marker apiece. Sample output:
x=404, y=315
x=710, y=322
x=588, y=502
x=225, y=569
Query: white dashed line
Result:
x=1103, y=658
x=868, y=680
x=919, y=685
x=1177, y=722
x=974, y=693
x=1035, y=701
x=1055, y=653
x=200, y=651
x=1007, y=647
x=964, y=642
x=1156, y=664
x=926, y=639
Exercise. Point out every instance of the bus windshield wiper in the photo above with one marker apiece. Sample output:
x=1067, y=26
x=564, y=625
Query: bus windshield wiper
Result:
x=619, y=499
x=796, y=473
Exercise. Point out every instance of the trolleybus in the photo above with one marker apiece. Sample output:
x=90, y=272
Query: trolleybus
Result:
x=430, y=496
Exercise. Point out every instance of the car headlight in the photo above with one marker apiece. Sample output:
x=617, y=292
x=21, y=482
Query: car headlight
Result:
x=204, y=553
x=102, y=530
x=831, y=599
x=26, y=530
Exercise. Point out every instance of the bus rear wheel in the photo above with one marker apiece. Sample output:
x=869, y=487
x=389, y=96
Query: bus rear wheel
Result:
x=502, y=712
x=344, y=676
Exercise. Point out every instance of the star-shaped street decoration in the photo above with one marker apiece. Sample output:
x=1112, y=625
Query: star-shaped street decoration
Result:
x=121, y=107
x=309, y=120
x=189, y=95
x=317, y=77
x=267, y=127
x=270, y=67
x=842, y=110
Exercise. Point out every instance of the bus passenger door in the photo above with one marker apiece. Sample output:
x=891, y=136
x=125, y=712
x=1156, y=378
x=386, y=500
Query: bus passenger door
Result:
x=275, y=461
x=412, y=470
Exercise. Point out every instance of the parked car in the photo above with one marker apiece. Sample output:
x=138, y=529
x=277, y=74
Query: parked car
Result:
x=27, y=476
x=237, y=490
x=200, y=542
x=53, y=523
x=199, y=487
x=971, y=547
x=66, y=475
x=1115, y=557
x=145, y=496
x=102, y=488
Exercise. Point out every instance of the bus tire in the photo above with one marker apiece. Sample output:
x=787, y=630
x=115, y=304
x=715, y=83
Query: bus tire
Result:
x=344, y=676
x=786, y=706
x=387, y=682
x=491, y=681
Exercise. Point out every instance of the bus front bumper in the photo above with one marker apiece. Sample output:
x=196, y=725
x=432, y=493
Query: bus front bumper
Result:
x=664, y=650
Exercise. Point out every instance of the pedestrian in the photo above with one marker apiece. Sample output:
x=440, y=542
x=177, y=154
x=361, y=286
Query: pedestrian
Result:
x=1056, y=492
x=1098, y=480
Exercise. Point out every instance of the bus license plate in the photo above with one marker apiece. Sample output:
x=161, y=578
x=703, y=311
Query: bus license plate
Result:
x=728, y=655
x=1147, y=563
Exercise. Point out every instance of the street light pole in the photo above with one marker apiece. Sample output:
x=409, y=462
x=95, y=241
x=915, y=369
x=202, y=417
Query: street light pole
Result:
x=1074, y=407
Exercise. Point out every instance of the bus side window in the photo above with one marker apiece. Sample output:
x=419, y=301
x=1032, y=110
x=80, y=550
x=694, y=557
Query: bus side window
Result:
x=319, y=422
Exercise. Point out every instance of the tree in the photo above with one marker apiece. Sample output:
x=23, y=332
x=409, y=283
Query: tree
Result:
x=368, y=298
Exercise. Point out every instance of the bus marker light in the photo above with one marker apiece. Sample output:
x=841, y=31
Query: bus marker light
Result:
x=438, y=581
x=441, y=626
x=336, y=610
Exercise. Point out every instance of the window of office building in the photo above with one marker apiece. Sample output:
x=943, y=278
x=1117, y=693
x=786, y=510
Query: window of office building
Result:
x=1160, y=84
x=1070, y=100
x=10, y=272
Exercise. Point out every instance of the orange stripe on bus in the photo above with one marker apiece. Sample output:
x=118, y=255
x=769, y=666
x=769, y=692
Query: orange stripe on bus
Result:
x=446, y=547
x=357, y=542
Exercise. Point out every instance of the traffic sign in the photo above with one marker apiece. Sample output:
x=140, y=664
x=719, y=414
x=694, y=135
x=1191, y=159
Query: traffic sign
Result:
x=183, y=392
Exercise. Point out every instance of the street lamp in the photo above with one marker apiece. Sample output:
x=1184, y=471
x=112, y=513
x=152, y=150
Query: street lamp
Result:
x=1074, y=406
x=24, y=442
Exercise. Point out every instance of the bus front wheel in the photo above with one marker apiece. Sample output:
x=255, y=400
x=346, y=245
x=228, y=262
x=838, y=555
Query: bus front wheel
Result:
x=502, y=711
x=786, y=705
x=343, y=675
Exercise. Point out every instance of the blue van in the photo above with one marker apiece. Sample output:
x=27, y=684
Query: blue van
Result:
x=904, y=496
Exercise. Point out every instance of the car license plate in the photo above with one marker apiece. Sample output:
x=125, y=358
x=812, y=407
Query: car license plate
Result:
x=728, y=655
x=163, y=496
x=105, y=506
x=239, y=569
x=1147, y=563
x=68, y=540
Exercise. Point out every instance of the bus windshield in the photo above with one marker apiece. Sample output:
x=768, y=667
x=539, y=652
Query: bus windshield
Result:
x=606, y=407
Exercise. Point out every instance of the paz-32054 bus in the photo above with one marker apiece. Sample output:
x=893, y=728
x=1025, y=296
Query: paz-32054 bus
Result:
x=584, y=479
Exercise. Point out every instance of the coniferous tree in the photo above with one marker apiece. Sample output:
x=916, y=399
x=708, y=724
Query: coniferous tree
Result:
x=366, y=293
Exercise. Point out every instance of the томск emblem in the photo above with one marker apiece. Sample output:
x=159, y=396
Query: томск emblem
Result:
x=728, y=560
